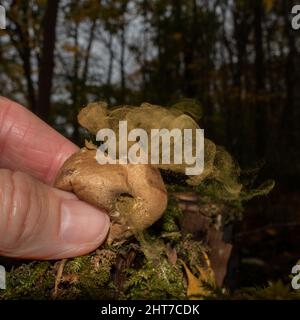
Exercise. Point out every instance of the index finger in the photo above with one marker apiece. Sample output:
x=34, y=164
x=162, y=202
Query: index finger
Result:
x=28, y=144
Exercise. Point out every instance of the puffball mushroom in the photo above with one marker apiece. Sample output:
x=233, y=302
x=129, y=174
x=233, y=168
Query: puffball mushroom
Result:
x=134, y=195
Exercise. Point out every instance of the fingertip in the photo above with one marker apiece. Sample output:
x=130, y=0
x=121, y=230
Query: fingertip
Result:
x=82, y=223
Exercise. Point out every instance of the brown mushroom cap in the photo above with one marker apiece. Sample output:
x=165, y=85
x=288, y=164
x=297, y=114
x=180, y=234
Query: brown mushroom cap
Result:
x=134, y=195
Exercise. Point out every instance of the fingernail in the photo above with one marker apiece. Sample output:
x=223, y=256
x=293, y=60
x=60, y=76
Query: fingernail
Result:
x=82, y=224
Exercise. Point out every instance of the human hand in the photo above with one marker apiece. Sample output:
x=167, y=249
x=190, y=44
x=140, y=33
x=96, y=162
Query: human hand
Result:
x=38, y=221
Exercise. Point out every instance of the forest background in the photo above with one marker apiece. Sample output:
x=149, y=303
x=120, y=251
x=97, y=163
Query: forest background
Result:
x=240, y=59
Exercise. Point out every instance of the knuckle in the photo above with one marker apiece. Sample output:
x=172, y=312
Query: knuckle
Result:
x=16, y=194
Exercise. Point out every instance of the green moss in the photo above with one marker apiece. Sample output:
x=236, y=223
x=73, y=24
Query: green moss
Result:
x=155, y=280
x=171, y=216
x=29, y=281
x=88, y=276
x=192, y=252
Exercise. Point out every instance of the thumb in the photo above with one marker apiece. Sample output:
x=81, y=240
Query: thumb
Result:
x=40, y=222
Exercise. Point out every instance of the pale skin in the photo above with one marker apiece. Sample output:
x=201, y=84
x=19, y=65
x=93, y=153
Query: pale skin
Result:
x=38, y=221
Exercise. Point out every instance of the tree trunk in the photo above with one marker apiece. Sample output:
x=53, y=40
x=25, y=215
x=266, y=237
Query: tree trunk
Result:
x=123, y=47
x=111, y=60
x=74, y=86
x=19, y=36
x=46, y=67
x=260, y=118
